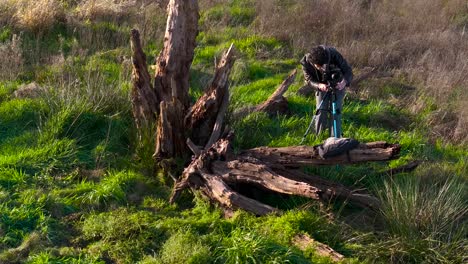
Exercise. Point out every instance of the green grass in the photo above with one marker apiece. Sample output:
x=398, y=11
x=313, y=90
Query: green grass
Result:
x=76, y=188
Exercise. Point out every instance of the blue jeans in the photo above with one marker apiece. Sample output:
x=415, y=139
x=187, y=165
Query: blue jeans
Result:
x=324, y=118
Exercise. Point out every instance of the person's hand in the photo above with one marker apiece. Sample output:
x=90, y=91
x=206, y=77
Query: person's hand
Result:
x=341, y=85
x=322, y=87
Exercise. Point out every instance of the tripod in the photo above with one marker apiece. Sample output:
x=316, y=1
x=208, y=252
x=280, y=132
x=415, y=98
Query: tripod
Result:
x=336, y=130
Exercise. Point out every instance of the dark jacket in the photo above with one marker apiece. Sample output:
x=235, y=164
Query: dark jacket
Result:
x=313, y=76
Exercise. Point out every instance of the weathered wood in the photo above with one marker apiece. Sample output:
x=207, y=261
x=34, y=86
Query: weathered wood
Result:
x=212, y=105
x=220, y=150
x=218, y=190
x=271, y=170
x=173, y=63
x=170, y=137
x=237, y=171
x=194, y=148
x=145, y=104
x=275, y=104
x=219, y=121
x=332, y=190
x=296, y=156
x=196, y=176
x=304, y=241
x=171, y=82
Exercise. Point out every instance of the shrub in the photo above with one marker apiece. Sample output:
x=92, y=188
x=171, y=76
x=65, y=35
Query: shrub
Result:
x=39, y=16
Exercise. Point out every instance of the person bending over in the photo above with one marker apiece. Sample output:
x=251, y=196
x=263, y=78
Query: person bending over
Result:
x=317, y=66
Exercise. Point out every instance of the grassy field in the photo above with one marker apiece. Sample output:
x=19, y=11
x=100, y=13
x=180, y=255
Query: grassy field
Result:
x=76, y=187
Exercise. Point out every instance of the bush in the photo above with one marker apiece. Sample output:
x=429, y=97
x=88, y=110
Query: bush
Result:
x=39, y=16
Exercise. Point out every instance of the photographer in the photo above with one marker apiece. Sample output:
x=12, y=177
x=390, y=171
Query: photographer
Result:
x=318, y=66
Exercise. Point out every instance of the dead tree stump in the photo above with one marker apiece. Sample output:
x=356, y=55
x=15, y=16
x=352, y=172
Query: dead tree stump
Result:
x=215, y=167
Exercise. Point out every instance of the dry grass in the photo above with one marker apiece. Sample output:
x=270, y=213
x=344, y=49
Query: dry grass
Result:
x=7, y=9
x=105, y=10
x=12, y=59
x=38, y=16
x=105, y=24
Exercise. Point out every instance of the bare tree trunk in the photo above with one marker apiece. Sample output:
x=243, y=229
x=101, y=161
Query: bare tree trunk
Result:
x=172, y=77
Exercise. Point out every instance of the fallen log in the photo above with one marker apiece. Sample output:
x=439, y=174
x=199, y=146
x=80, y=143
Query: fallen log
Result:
x=198, y=177
x=303, y=241
x=296, y=156
x=215, y=170
x=404, y=168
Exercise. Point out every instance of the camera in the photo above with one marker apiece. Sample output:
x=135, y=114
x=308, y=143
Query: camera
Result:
x=332, y=76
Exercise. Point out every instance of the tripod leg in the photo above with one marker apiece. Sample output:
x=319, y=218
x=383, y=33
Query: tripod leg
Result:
x=322, y=119
x=337, y=105
x=314, y=118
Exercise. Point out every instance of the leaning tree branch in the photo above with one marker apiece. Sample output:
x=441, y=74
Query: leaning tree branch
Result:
x=205, y=118
x=144, y=100
x=275, y=104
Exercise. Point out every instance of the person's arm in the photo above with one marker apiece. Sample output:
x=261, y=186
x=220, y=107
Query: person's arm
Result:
x=339, y=61
x=308, y=75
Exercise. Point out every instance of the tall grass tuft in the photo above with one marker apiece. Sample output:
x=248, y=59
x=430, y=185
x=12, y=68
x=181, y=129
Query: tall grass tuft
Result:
x=174, y=250
x=12, y=58
x=92, y=92
x=425, y=222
